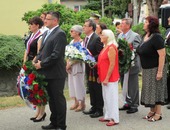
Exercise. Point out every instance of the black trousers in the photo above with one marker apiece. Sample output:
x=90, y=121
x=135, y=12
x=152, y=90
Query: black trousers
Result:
x=57, y=102
x=96, y=98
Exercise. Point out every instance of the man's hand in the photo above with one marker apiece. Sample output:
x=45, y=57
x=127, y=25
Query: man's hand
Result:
x=38, y=65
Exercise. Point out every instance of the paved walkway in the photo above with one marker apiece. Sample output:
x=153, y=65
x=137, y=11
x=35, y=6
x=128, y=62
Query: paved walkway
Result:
x=18, y=119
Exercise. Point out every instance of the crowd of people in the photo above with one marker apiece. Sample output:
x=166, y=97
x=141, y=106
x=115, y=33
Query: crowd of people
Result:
x=45, y=47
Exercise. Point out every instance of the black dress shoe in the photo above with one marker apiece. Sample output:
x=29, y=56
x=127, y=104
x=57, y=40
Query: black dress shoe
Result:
x=50, y=126
x=125, y=107
x=89, y=112
x=96, y=114
x=132, y=110
x=168, y=107
x=60, y=129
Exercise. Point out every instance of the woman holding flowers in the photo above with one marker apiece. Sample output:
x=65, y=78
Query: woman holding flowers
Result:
x=108, y=70
x=76, y=72
x=32, y=48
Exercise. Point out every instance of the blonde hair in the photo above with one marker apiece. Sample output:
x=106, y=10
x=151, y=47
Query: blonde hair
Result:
x=111, y=37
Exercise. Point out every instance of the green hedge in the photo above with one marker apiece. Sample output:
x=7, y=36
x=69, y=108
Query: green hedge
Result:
x=11, y=51
x=139, y=29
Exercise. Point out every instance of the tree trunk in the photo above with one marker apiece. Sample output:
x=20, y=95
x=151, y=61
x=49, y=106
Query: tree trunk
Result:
x=110, y=12
x=153, y=7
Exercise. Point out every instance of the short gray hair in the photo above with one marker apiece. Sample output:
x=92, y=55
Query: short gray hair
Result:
x=129, y=21
x=77, y=28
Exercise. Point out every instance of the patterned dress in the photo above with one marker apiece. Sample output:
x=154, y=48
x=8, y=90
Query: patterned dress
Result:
x=154, y=91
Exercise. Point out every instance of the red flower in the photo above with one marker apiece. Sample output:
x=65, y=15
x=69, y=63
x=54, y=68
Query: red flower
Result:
x=31, y=76
x=131, y=47
x=44, y=100
x=24, y=67
x=41, y=92
x=35, y=87
x=35, y=102
x=39, y=101
x=29, y=82
x=31, y=95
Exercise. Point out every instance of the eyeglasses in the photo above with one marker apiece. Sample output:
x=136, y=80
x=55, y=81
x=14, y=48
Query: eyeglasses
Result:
x=48, y=19
x=86, y=26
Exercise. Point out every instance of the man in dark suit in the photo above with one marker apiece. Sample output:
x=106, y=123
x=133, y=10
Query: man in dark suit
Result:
x=94, y=45
x=50, y=62
x=131, y=97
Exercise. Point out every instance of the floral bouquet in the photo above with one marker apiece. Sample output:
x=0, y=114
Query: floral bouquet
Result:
x=75, y=51
x=30, y=86
x=126, y=54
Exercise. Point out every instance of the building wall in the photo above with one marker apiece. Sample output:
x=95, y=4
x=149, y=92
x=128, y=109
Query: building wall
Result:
x=11, y=13
x=73, y=3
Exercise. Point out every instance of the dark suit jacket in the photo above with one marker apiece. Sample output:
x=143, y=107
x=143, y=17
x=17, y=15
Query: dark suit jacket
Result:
x=168, y=38
x=94, y=46
x=52, y=53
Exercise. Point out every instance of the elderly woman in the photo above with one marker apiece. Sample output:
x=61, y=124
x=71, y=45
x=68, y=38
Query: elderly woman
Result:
x=76, y=72
x=154, y=76
x=108, y=71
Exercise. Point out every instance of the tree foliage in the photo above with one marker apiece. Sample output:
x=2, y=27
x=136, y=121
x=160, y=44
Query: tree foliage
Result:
x=112, y=8
x=68, y=16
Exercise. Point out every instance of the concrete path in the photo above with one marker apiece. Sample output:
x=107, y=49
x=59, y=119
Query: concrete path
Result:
x=18, y=119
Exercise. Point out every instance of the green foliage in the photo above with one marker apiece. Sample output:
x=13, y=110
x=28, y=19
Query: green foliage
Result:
x=106, y=20
x=94, y=5
x=162, y=31
x=124, y=56
x=139, y=29
x=117, y=8
x=68, y=16
x=66, y=13
x=11, y=51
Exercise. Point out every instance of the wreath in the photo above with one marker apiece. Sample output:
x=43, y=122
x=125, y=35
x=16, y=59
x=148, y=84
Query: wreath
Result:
x=31, y=85
x=125, y=52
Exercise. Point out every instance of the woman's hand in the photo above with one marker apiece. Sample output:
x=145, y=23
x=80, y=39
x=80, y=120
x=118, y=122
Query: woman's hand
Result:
x=159, y=76
x=68, y=68
x=105, y=82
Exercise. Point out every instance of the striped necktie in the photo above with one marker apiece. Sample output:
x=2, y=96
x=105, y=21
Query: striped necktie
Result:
x=86, y=41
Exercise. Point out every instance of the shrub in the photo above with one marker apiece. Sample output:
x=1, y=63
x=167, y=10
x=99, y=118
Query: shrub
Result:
x=11, y=51
x=139, y=29
x=68, y=16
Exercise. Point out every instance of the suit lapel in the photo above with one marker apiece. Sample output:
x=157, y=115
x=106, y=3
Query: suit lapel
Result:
x=90, y=40
x=129, y=35
x=43, y=44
